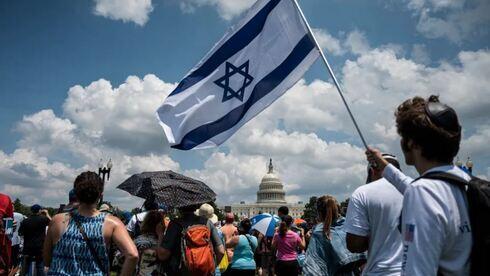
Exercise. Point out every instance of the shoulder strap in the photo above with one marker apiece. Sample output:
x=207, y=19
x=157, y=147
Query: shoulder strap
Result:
x=250, y=243
x=94, y=254
x=451, y=178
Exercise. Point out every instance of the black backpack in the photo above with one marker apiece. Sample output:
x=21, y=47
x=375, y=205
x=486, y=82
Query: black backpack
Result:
x=478, y=194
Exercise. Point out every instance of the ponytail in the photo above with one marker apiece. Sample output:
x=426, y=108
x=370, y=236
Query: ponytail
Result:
x=328, y=211
x=283, y=229
x=285, y=225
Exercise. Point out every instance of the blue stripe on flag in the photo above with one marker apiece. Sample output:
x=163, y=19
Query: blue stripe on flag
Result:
x=203, y=133
x=233, y=45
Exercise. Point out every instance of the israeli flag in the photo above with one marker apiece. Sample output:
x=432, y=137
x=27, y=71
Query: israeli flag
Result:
x=255, y=62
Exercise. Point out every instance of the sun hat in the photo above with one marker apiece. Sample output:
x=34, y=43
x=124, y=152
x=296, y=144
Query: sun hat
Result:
x=206, y=211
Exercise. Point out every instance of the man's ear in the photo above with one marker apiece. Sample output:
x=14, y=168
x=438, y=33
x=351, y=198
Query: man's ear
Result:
x=412, y=145
x=407, y=144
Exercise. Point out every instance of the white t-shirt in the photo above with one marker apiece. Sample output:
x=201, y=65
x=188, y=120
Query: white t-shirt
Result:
x=374, y=211
x=436, y=229
x=18, y=218
x=132, y=223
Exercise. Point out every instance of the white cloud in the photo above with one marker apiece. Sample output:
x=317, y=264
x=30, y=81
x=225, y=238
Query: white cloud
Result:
x=435, y=4
x=420, y=54
x=357, y=42
x=226, y=9
x=331, y=44
x=455, y=20
x=305, y=163
x=136, y=11
x=299, y=131
x=473, y=145
x=99, y=122
x=122, y=117
x=376, y=82
x=32, y=177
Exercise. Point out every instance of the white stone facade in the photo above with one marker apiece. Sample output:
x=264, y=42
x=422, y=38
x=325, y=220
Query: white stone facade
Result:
x=270, y=197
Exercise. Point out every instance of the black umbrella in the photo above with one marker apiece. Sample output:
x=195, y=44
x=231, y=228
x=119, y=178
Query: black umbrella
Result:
x=169, y=188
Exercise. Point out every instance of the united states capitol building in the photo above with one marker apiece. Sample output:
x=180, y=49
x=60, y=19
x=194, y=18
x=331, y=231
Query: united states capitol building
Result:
x=270, y=197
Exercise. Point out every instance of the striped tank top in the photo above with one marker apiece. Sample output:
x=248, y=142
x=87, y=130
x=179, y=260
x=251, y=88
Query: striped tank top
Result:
x=71, y=255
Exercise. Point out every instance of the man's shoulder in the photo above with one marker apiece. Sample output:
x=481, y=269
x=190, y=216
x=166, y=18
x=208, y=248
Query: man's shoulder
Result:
x=229, y=227
x=375, y=188
x=18, y=216
x=452, y=170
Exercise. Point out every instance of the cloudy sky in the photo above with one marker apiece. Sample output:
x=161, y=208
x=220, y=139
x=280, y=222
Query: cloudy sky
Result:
x=81, y=81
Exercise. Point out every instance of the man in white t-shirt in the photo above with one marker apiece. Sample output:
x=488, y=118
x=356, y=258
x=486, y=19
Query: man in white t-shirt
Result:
x=16, y=239
x=435, y=225
x=372, y=223
x=134, y=224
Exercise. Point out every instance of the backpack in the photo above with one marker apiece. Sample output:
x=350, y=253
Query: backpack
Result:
x=197, y=250
x=478, y=194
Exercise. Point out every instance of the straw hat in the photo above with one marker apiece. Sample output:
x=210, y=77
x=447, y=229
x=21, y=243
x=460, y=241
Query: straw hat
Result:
x=206, y=211
x=214, y=219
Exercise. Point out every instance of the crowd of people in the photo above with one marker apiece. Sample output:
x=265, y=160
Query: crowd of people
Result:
x=394, y=225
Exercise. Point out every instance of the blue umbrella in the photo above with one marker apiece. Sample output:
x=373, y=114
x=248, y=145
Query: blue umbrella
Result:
x=265, y=223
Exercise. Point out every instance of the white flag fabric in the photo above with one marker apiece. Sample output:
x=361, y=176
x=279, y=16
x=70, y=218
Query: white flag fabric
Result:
x=254, y=63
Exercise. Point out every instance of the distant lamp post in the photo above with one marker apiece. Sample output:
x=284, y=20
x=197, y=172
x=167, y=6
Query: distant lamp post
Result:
x=458, y=162
x=469, y=165
x=103, y=172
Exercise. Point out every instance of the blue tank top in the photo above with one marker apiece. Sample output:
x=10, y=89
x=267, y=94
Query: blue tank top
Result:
x=243, y=255
x=71, y=255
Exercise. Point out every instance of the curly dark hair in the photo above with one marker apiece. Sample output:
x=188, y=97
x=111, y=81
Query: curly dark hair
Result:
x=150, y=222
x=245, y=226
x=88, y=187
x=438, y=143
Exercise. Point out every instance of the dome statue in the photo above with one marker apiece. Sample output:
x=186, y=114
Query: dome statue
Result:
x=271, y=189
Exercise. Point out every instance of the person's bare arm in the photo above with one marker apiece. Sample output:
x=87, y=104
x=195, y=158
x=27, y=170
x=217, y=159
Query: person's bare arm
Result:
x=220, y=252
x=274, y=243
x=45, y=213
x=357, y=244
x=56, y=228
x=302, y=244
x=48, y=245
x=232, y=242
x=125, y=244
x=163, y=254
x=398, y=179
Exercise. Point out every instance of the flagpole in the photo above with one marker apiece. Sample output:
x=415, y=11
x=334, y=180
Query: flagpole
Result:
x=330, y=71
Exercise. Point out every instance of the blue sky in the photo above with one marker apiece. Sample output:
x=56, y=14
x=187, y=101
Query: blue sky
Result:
x=49, y=47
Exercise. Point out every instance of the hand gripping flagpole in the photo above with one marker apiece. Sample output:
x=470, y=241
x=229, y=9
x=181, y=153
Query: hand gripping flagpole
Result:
x=330, y=71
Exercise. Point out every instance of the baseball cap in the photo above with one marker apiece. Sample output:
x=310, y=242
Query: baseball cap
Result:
x=35, y=208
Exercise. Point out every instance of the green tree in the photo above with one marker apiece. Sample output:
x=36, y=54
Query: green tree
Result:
x=21, y=208
x=310, y=213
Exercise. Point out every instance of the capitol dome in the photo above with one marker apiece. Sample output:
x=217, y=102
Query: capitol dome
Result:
x=271, y=189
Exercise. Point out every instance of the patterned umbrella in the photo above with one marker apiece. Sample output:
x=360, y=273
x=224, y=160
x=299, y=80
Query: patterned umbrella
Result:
x=169, y=188
x=265, y=223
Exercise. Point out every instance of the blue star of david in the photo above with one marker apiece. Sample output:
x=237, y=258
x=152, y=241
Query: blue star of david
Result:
x=224, y=82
